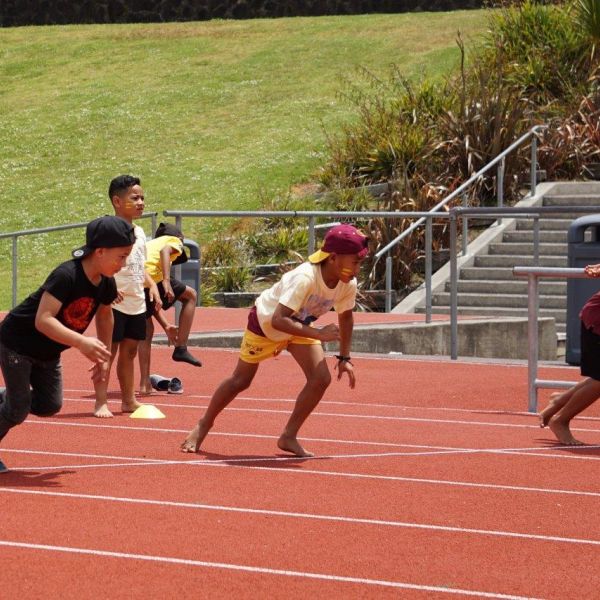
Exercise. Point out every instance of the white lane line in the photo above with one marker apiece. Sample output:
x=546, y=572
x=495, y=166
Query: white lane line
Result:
x=540, y=450
x=319, y=413
x=262, y=570
x=428, y=451
x=262, y=399
x=237, y=463
x=313, y=516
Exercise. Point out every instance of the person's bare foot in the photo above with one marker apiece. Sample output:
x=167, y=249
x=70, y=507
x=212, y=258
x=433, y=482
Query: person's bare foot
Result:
x=546, y=414
x=563, y=433
x=195, y=438
x=145, y=391
x=290, y=444
x=101, y=411
x=131, y=406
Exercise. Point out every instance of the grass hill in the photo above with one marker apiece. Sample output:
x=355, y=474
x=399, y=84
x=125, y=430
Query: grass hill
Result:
x=211, y=115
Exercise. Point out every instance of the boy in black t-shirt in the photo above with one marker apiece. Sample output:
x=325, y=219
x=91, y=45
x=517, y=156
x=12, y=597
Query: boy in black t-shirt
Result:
x=52, y=319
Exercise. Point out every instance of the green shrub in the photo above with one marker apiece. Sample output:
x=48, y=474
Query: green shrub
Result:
x=569, y=145
x=542, y=50
x=278, y=245
x=230, y=279
x=228, y=260
x=391, y=133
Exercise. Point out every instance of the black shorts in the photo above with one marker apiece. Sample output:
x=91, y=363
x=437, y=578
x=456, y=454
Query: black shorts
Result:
x=132, y=327
x=590, y=353
x=178, y=289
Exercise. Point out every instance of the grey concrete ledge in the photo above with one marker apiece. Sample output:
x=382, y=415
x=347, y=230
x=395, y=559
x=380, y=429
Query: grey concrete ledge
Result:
x=482, y=338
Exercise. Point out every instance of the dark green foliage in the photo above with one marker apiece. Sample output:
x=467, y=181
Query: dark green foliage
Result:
x=40, y=12
x=536, y=64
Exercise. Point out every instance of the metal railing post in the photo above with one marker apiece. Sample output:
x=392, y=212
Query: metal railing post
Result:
x=500, y=183
x=311, y=235
x=453, y=290
x=388, y=283
x=428, y=267
x=533, y=346
x=14, y=270
x=465, y=227
x=533, y=173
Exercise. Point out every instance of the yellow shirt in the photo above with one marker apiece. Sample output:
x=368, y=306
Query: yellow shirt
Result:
x=153, y=250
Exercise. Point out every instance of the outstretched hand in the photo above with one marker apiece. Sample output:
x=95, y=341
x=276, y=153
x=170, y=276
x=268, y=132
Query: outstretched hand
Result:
x=99, y=371
x=94, y=349
x=329, y=333
x=344, y=366
x=592, y=270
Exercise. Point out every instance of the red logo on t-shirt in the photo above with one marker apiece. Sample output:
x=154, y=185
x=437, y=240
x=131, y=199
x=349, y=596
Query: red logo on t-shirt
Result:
x=78, y=314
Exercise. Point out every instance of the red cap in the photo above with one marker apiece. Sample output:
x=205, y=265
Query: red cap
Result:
x=342, y=239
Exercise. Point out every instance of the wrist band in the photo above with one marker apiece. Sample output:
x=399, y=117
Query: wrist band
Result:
x=341, y=358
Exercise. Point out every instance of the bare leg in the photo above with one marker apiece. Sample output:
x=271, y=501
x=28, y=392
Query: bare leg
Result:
x=125, y=373
x=583, y=397
x=312, y=361
x=144, y=352
x=188, y=307
x=557, y=401
x=239, y=381
x=101, y=409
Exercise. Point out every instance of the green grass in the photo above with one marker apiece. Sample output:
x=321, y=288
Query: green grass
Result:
x=213, y=115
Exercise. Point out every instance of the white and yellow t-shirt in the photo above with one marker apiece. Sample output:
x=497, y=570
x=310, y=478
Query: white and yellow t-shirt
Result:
x=153, y=250
x=130, y=279
x=304, y=291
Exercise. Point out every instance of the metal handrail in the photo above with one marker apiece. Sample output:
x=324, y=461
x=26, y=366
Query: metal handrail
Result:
x=533, y=274
x=532, y=133
x=481, y=212
x=15, y=235
x=313, y=215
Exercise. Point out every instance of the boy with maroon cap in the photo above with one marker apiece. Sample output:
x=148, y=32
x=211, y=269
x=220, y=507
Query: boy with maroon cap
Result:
x=565, y=406
x=54, y=318
x=282, y=319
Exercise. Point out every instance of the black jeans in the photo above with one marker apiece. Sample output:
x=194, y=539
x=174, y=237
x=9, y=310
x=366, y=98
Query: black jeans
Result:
x=32, y=386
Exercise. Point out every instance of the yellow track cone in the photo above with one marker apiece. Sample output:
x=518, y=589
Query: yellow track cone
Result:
x=147, y=411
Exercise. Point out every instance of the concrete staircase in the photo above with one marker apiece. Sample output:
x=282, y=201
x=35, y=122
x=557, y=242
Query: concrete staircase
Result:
x=486, y=285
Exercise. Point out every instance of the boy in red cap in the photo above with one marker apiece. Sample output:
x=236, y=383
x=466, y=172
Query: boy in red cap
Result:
x=282, y=319
x=54, y=318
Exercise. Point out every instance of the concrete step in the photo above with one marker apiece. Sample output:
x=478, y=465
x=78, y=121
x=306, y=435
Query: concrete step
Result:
x=487, y=273
x=560, y=224
x=491, y=312
x=519, y=286
x=524, y=236
x=572, y=200
x=574, y=215
x=499, y=300
x=513, y=248
x=501, y=260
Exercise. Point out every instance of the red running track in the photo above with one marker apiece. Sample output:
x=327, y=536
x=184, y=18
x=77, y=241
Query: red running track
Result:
x=429, y=481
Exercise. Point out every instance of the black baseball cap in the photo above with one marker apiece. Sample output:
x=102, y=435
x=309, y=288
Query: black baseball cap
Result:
x=106, y=232
x=170, y=229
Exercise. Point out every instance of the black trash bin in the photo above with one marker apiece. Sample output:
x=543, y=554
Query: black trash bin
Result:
x=190, y=270
x=583, y=250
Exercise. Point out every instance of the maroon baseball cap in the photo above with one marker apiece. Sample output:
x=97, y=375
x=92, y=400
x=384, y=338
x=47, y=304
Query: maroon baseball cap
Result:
x=342, y=239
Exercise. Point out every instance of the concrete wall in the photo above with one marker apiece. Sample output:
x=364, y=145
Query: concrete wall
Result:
x=501, y=338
